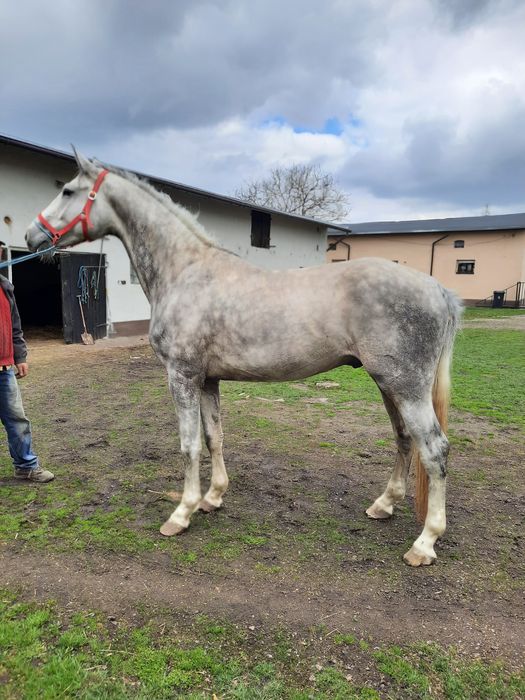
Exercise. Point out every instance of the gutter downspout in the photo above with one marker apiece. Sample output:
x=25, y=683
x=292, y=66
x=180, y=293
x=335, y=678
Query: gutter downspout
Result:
x=432, y=253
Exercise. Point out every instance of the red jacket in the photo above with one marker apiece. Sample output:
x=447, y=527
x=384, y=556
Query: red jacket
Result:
x=12, y=343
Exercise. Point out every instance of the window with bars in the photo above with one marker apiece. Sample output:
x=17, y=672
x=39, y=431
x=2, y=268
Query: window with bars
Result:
x=465, y=267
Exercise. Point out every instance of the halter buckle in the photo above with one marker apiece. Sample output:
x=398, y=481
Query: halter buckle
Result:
x=92, y=195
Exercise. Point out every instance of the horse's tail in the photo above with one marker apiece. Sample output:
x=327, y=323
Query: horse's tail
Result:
x=440, y=397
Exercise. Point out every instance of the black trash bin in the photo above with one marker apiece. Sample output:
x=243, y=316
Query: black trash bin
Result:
x=497, y=299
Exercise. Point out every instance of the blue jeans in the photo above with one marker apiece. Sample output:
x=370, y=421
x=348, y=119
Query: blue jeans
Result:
x=17, y=426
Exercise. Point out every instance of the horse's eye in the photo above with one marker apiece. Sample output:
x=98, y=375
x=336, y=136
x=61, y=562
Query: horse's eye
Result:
x=67, y=193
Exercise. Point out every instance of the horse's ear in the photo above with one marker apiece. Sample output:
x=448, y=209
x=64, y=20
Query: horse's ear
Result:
x=84, y=165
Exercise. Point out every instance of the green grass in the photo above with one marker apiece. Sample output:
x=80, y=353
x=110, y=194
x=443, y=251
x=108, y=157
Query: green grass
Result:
x=489, y=375
x=41, y=519
x=473, y=312
x=488, y=380
x=453, y=679
x=354, y=385
x=46, y=655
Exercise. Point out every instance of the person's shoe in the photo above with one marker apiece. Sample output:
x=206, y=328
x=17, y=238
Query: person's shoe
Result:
x=38, y=474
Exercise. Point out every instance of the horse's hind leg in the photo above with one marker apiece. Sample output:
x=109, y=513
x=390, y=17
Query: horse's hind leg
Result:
x=432, y=444
x=383, y=507
x=186, y=394
x=211, y=423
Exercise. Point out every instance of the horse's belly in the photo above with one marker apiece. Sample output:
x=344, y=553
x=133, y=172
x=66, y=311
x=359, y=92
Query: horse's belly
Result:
x=274, y=367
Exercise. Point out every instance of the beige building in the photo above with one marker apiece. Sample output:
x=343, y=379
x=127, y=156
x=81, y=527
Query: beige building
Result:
x=475, y=256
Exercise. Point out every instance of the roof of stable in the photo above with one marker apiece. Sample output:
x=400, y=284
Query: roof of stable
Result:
x=9, y=140
x=498, y=222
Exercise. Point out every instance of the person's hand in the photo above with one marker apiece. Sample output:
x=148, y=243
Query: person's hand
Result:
x=22, y=370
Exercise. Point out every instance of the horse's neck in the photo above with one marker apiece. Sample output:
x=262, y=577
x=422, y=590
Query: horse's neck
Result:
x=159, y=244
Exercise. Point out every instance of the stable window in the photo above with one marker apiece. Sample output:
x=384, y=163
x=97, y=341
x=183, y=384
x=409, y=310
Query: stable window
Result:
x=465, y=267
x=261, y=223
x=459, y=244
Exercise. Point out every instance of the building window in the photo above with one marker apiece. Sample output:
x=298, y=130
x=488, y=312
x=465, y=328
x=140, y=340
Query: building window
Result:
x=133, y=279
x=459, y=244
x=261, y=223
x=465, y=267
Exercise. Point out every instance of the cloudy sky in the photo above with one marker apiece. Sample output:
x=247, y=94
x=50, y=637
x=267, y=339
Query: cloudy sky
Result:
x=416, y=106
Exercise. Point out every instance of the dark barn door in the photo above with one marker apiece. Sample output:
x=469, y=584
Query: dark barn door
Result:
x=83, y=280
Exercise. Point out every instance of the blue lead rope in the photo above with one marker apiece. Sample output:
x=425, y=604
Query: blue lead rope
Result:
x=23, y=258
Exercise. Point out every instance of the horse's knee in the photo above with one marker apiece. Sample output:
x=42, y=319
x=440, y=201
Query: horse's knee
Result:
x=190, y=450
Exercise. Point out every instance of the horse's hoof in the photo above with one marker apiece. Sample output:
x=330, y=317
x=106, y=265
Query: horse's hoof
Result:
x=378, y=513
x=170, y=528
x=415, y=558
x=207, y=507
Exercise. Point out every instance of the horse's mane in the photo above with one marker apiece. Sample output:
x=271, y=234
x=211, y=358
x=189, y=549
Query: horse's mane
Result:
x=187, y=217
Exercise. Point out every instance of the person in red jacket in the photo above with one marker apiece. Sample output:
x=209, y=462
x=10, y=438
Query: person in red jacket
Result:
x=13, y=363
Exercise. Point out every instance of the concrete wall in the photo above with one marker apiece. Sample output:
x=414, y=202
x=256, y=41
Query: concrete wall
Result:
x=499, y=257
x=30, y=180
x=293, y=243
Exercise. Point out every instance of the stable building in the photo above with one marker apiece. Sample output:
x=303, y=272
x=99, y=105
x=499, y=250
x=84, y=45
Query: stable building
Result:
x=482, y=258
x=98, y=276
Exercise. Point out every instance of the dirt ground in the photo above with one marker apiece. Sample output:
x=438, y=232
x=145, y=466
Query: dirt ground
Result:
x=304, y=484
x=516, y=323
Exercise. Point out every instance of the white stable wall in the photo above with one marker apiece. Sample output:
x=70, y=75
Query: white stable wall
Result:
x=29, y=180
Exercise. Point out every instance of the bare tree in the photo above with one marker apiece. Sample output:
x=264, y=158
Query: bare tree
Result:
x=299, y=189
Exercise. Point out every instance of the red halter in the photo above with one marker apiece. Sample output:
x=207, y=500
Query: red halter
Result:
x=54, y=234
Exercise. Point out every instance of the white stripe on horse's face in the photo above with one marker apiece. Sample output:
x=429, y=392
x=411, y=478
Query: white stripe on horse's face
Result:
x=62, y=210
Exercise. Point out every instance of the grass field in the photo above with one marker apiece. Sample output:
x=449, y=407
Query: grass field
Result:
x=47, y=656
x=287, y=592
x=473, y=312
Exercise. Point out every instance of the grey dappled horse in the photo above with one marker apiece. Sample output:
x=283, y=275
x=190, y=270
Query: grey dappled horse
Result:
x=215, y=316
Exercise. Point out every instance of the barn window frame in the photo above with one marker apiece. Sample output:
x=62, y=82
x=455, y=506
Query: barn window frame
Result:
x=459, y=243
x=261, y=227
x=465, y=267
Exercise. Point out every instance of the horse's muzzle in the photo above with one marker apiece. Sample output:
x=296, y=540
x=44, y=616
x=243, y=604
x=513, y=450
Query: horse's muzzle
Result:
x=36, y=238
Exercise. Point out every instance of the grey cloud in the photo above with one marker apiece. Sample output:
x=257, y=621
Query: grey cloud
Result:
x=105, y=75
x=439, y=163
x=462, y=14
x=104, y=70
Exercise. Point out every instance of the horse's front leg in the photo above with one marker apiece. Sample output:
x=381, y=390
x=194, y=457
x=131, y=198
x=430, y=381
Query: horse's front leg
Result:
x=211, y=422
x=186, y=394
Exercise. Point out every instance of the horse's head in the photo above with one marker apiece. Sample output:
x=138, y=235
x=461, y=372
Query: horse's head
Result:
x=77, y=214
